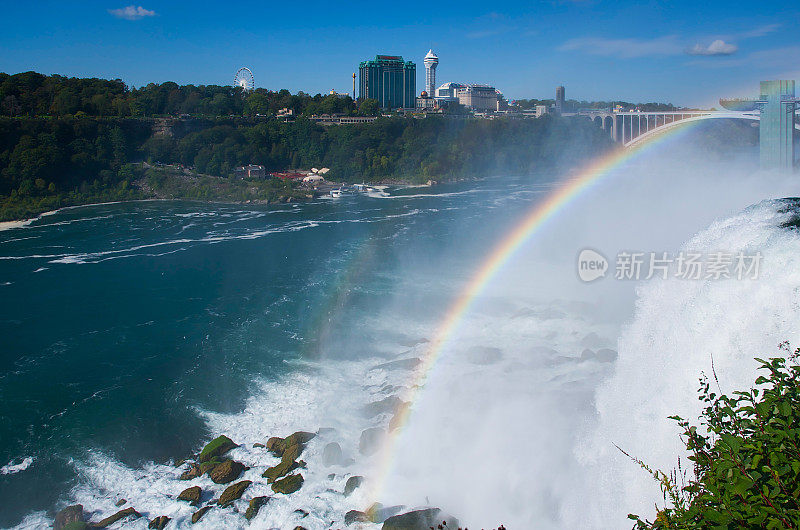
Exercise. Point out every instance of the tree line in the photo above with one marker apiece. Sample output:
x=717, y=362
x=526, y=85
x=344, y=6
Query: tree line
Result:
x=31, y=94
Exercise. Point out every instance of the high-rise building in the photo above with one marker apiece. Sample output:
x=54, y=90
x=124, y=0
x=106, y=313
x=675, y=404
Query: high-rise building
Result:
x=777, y=124
x=431, y=61
x=390, y=80
x=559, y=99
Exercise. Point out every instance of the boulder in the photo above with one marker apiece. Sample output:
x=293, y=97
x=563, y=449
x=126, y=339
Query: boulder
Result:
x=607, y=355
x=111, y=519
x=371, y=440
x=274, y=473
x=70, y=514
x=159, y=522
x=258, y=445
x=288, y=484
x=233, y=492
x=255, y=505
x=193, y=472
x=352, y=483
x=276, y=446
x=191, y=495
x=208, y=465
x=226, y=472
x=302, y=513
x=291, y=452
x=400, y=364
x=200, y=513
x=420, y=520
x=384, y=406
x=399, y=416
x=120, y=502
x=294, y=444
x=354, y=516
x=378, y=513
x=77, y=525
x=216, y=447
x=332, y=454
x=299, y=437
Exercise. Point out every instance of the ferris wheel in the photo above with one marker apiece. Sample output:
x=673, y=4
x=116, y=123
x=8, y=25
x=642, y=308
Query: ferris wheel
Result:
x=244, y=78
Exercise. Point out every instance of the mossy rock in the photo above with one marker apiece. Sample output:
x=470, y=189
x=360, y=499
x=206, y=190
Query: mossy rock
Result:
x=227, y=471
x=255, y=505
x=76, y=525
x=207, y=466
x=127, y=512
x=352, y=483
x=196, y=516
x=292, y=452
x=233, y=492
x=191, y=495
x=215, y=448
x=274, y=473
x=299, y=438
x=159, y=522
x=276, y=446
x=288, y=485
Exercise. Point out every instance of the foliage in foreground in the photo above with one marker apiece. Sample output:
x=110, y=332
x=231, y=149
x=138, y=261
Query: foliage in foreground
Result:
x=746, y=458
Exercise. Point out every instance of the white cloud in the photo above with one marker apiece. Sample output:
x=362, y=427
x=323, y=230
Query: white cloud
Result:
x=132, y=12
x=760, y=31
x=625, y=48
x=718, y=47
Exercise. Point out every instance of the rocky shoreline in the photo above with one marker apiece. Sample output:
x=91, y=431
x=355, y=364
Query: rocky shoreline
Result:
x=284, y=478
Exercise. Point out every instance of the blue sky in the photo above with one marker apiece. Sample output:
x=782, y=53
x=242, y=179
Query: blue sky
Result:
x=684, y=52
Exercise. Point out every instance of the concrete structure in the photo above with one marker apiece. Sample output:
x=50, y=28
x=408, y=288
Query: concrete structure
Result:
x=431, y=62
x=390, y=80
x=541, y=110
x=479, y=97
x=776, y=132
x=776, y=110
x=329, y=119
x=560, y=93
x=250, y=171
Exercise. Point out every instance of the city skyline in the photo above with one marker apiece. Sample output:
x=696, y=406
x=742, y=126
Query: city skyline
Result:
x=671, y=54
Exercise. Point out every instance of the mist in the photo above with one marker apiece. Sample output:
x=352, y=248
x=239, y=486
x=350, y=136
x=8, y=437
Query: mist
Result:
x=518, y=419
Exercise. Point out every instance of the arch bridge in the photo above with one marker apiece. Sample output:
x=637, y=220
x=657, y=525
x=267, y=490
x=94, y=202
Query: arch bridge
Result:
x=632, y=128
x=775, y=109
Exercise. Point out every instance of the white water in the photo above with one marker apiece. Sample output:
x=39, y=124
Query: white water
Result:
x=517, y=421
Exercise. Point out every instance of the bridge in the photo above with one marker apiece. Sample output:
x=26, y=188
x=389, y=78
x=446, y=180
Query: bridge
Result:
x=776, y=111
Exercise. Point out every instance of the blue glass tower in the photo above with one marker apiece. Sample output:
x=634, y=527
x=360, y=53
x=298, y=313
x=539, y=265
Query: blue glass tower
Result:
x=390, y=80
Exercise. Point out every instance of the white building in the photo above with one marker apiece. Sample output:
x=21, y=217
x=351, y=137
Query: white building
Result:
x=431, y=62
x=448, y=90
x=479, y=97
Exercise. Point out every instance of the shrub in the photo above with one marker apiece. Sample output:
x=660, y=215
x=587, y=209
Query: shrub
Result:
x=746, y=457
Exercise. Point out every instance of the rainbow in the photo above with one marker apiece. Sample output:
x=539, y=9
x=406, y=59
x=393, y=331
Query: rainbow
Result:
x=534, y=221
